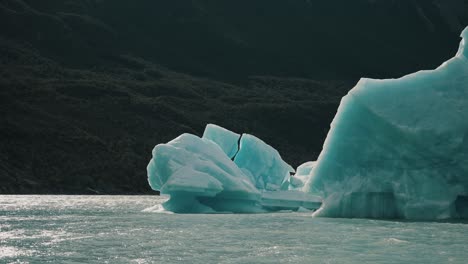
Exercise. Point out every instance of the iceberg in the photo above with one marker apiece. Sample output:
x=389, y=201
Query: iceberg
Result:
x=398, y=148
x=298, y=180
x=199, y=177
x=224, y=172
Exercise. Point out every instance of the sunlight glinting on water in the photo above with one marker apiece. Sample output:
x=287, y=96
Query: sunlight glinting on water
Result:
x=134, y=229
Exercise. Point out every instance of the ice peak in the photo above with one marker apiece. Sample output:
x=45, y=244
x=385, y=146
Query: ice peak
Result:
x=463, y=50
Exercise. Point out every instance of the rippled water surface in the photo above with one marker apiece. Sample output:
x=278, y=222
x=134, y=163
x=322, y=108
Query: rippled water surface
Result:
x=126, y=229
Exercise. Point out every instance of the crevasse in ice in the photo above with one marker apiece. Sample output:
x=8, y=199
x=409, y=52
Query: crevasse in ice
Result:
x=223, y=172
x=398, y=148
x=190, y=167
x=227, y=140
x=258, y=160
x=262, y=163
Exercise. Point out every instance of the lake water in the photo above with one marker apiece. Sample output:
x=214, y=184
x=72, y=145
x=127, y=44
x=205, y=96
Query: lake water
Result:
x=121, y=229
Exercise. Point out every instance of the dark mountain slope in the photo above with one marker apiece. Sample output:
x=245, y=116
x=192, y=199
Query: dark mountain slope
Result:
x=87, y=88
x=338, y=39
x=77, y=131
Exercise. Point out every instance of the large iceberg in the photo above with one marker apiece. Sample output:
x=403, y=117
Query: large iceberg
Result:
x=398, y=148
x=224, y=172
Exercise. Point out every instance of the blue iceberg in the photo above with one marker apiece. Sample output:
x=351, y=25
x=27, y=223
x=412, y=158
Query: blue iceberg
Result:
x=224, y=172
x=190, y=167
x=398, y=148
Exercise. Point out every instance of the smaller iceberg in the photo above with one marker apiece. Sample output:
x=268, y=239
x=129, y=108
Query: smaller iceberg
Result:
x=225, y=172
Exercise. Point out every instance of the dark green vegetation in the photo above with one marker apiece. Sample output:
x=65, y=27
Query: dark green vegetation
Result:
x=87, y=88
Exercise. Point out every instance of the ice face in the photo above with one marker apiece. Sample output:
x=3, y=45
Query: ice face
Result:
x=399, y=147
x=227, y=140
x=258, y=160
x=223, y=172
x=190, y=162
x=262, y=163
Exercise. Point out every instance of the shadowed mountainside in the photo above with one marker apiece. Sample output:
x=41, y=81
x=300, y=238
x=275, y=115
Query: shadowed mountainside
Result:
x=87, y=88
x=83, y=130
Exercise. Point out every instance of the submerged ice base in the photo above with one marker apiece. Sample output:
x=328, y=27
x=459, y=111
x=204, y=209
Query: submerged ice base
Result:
x=224, y=172
x=399, y=148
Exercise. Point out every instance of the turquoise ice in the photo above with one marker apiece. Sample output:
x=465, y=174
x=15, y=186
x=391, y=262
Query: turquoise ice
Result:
x=398, y=148
x=199, y=177
x=258, y=160
x=223, y=172
x=262, y=163
x=227, y=140
x=298, y=180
